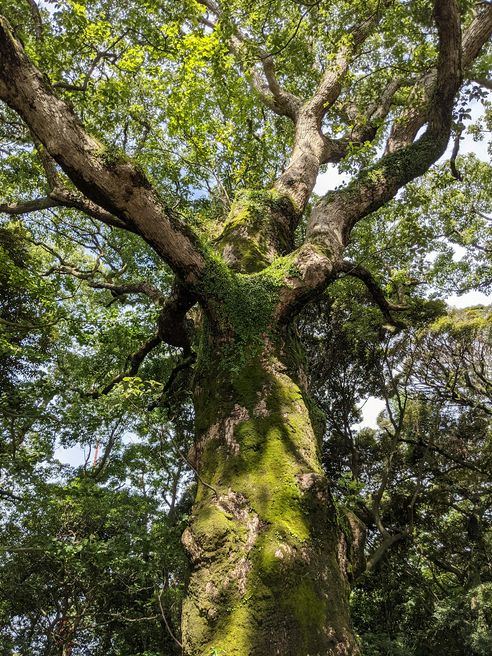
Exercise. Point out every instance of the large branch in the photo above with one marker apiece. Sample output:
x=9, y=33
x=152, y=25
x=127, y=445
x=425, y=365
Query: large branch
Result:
x=117, y=289
x=74, y=200
x=330, y=85
x=173, y=326
x=384, y=546
x=333, y=218
x=272, y=94
x=415, y=116
x=25, y=207
x=377, y=185
x=64, y=198
x=114, y=184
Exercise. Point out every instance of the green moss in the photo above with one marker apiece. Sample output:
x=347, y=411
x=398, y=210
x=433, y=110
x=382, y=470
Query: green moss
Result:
x=241, y=302
x=249, y=381
x=213, y=524
x=273, y=489
x=260, y=446
x=255, y=207
x=257, y=228
x=271, y=448
x=308, y=608
x=403, y=165
x=234, y=637
x=242, y=306
x=264, y=472
x=249, y=253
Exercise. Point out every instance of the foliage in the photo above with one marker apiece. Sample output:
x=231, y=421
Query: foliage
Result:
x=423, y=475
x=90, y=554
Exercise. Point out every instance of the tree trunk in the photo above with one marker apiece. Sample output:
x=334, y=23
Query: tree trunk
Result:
x=267, y=548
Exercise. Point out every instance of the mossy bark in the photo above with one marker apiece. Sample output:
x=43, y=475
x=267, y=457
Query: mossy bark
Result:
x=267, y=549
x=258, y=229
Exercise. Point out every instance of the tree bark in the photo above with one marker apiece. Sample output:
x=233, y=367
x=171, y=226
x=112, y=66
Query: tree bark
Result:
x=266, y=544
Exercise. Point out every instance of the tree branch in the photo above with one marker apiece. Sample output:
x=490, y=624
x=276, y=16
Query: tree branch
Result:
x=174, y=328
x=101, y=55
x=352, y=269
x=382, y=548
x=330, y=85
x=366, y=126
x=116, y=289
x=340, y=210
x=77, y=201
x=406, y=127
x=101, y=465
x=445, y=454
x=10, y=496
x=108, y=180
x=456, y=148
x=38, y=21
x=311, y=147
x=64, y=198
x=35, y=205
x=282, y=102
x=136, y=359
x=48, y=164
x=446, y=566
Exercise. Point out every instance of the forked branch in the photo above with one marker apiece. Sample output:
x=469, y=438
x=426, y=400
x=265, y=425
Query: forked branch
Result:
x=311, y=147
x=334, y=216
x=405, y=129
x=341, y=210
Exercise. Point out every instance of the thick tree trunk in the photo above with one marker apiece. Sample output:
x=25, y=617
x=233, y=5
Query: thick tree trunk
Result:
x=266, y=545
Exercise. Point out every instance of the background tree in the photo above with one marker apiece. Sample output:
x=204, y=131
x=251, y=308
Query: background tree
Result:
x=419, y=485
x=173, y=257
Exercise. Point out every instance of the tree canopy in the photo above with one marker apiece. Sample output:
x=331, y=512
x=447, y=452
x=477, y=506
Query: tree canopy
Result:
x=177, y=302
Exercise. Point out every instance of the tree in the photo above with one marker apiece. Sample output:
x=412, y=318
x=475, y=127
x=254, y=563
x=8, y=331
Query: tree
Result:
x=423, y=479
x=214, y=96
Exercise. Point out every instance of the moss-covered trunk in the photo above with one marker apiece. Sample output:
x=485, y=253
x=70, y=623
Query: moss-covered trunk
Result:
x=267, y=549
